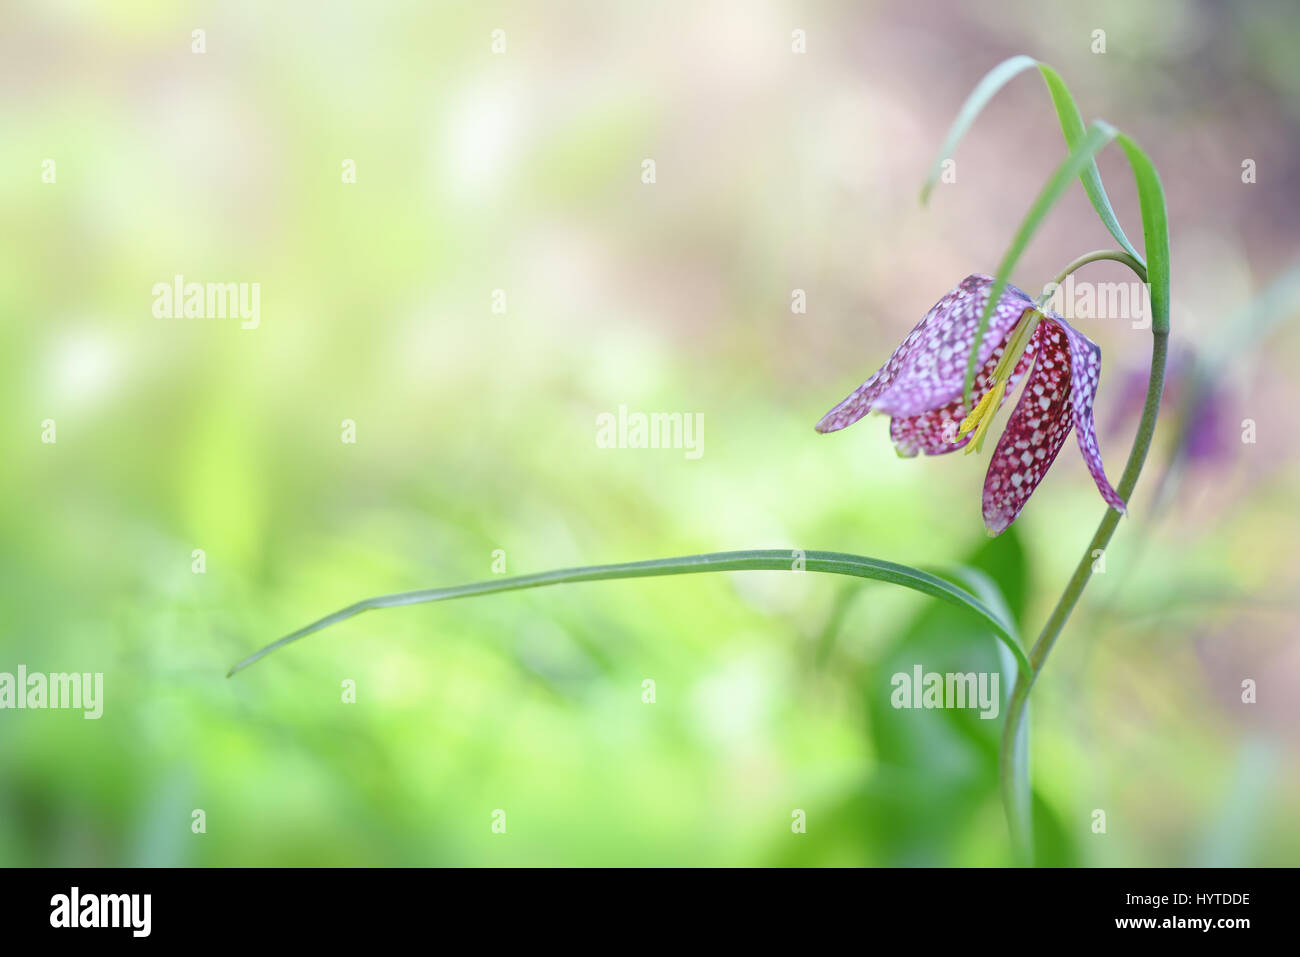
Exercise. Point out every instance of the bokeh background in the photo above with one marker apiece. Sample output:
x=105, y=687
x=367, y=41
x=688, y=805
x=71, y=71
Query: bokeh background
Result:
x=521, y=171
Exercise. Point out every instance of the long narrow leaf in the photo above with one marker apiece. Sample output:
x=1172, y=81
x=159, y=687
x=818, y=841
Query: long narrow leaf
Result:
x=1099, y=134
x=1155, y=230
x=1067, y=113
x=985, y=90
x=835, y=563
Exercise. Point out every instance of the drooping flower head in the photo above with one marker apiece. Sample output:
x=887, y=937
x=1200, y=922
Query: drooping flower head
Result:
x=920, y=387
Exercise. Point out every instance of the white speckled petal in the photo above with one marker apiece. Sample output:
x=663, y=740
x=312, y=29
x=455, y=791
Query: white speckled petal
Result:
x=1085, y=372
x=1058, y=396
x=927, y=371
x=935, y=432
x=1035, y=433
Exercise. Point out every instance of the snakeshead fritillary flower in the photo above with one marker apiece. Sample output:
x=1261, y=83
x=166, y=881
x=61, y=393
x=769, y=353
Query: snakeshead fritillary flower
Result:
x=920, y=387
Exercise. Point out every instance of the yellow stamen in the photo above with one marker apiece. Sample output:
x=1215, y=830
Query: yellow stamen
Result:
x=976, y=414
x=981, y=417
x=986, y=412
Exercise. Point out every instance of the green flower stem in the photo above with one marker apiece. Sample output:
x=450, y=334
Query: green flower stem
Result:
x=1013, y=765
x=1114, y=255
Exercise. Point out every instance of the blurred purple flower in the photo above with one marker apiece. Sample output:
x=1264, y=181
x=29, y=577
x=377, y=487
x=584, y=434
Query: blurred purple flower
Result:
x=920, y=387
x=1203, y=429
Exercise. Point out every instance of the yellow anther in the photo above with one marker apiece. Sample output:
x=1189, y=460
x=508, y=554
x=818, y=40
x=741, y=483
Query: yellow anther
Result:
x=976, y=414
x=981, y=417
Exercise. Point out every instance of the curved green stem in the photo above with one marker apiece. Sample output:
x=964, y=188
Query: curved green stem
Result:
x=1013, y=758
x=770, y=559
x=1097, y=255
x=1013, y=761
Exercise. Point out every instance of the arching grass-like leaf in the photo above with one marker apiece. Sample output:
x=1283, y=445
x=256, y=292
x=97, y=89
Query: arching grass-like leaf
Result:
x=1155, y=230
x=985, y=90
x=1098, y=135
x=1067, y=113
x=835, y=563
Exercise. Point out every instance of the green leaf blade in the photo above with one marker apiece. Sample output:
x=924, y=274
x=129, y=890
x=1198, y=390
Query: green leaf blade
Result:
x=1155, y=230
x=835, y=563
x=1072, y=128
x=1067, y=112
x=1099, y=134
x=985, y=90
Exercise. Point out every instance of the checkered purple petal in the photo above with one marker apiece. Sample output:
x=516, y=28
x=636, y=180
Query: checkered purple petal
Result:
x=935, y=432
x=1085, y=371
x=1058, y=396
x=1035, y=433
x=927, y=371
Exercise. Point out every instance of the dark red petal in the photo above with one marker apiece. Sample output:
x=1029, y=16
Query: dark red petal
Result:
x=1085, y=371
x=1034, y=435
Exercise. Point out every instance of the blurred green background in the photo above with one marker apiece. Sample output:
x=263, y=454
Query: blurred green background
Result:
x=521, y=171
